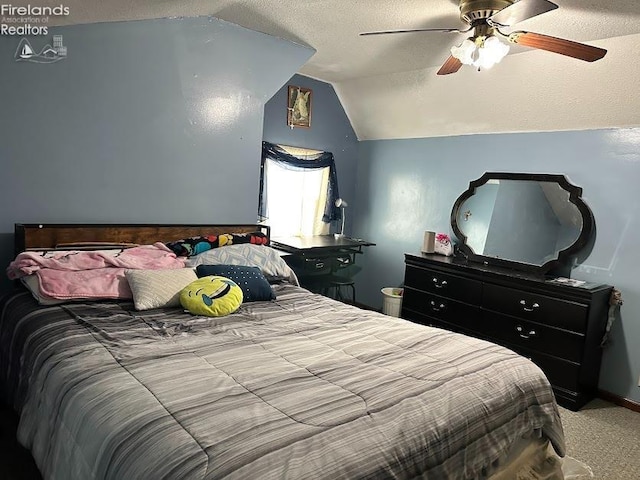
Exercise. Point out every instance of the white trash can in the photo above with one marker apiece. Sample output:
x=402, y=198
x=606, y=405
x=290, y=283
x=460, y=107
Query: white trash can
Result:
x=392, y=301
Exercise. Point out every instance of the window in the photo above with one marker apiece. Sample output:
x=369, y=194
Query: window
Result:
x=298, y=189
x=296, y=200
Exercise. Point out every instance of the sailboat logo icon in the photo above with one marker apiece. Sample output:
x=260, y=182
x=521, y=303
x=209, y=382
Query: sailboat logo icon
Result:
x=49, y=54
x=27, y=51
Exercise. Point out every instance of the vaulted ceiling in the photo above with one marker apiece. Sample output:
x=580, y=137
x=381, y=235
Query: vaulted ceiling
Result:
x=388, y=84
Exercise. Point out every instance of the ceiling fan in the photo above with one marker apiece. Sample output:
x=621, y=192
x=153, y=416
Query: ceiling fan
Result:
x=485, y=18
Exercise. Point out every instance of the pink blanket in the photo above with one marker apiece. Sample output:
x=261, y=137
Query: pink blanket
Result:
x=91, y=274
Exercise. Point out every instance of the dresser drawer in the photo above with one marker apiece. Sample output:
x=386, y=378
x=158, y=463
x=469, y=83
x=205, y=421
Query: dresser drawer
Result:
x=538, y=338
x=560, y=373
x=417, y=317
x=309, y=265
x=537, y=308
x=422, y=319
x=443, y=284
x=440, y=308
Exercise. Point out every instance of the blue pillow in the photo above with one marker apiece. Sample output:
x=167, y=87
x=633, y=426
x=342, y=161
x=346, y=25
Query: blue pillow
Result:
x=253, y=283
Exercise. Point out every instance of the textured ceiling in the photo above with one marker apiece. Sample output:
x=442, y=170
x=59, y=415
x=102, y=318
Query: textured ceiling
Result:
x=349, y=61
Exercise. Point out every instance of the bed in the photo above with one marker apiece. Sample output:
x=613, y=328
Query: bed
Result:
x=301, y=386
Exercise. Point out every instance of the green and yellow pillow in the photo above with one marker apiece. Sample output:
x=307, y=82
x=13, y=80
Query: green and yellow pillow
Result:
x=212, y=296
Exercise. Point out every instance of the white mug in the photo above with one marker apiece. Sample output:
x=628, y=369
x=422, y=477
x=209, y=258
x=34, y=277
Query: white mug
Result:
x=428, y=242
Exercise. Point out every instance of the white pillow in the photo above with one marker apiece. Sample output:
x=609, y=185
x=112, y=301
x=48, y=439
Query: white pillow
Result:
x=158, y=288
x=33, y=285
x=267, y=259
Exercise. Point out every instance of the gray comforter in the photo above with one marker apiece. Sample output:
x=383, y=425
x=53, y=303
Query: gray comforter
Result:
x=301, y=387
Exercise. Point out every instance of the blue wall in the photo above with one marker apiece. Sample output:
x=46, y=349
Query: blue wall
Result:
x=156, y=121
x=408, y=186
x=330, y=131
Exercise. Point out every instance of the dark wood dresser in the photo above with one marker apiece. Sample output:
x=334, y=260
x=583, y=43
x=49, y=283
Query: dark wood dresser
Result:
x=559, y=327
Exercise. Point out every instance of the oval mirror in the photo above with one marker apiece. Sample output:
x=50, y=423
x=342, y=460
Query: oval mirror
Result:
x=531, y=222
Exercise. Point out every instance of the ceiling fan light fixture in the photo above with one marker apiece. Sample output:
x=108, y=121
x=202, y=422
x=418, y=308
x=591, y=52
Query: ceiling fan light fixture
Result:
x=483, y=52
x=465, y=51
x=491, y=52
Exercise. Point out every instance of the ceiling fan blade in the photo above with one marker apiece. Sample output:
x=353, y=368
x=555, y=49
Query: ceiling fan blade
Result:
x=519, y=11
x=558, y=45
x=442, y=30
x=451, y=65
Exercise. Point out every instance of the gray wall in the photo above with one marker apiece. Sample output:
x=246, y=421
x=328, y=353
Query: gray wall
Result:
x=144, y=122
x=330, y=131
x=408, y=186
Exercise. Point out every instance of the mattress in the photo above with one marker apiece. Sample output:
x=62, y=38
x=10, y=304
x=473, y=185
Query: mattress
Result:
x=299, y=387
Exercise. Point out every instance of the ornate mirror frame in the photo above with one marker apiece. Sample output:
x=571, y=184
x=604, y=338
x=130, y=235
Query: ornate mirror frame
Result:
x=562, y=263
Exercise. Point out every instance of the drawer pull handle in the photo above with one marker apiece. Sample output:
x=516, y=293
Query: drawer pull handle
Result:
x=437, y=308
x=527, y=309
x=442, y=284
x=529, y=334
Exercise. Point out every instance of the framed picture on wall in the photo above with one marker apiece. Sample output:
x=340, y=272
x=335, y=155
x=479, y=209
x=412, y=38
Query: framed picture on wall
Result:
x=299, y=107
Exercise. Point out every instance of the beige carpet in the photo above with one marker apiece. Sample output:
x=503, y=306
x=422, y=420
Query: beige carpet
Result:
x=605, y=437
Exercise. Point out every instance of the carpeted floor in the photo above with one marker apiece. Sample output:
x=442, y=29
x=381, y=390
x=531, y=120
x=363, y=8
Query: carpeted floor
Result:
x=601, y=435
x=605, y=437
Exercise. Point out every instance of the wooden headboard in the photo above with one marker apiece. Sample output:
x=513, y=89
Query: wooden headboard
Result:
x=29, y=236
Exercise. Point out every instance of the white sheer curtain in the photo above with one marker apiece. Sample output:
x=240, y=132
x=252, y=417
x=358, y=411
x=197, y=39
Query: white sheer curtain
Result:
x=296, y=200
